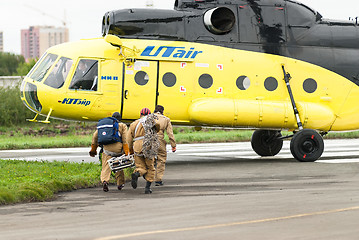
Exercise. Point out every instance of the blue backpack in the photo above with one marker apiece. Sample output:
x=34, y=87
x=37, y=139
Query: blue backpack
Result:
x=108, y=131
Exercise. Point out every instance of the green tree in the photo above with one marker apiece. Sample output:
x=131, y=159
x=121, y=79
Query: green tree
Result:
x=12, y=111
x=24, y=68
x=9, y=63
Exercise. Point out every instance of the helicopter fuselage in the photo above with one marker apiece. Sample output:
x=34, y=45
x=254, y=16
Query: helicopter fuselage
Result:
x=268, y=64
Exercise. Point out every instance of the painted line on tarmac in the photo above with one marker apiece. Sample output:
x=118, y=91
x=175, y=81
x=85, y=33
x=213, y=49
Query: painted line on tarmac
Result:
x=228, y=224
x=338, y=161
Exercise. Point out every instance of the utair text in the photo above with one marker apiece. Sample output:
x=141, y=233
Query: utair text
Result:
x=167, y=52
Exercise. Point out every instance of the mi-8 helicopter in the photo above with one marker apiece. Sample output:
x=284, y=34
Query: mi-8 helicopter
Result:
x=264, y=64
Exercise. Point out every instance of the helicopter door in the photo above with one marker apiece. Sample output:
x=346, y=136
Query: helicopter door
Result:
x=140, y=88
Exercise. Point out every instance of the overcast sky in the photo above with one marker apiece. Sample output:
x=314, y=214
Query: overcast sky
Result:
x=84, y=17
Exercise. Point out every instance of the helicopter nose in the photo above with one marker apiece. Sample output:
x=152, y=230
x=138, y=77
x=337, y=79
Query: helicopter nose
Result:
x=29, y=96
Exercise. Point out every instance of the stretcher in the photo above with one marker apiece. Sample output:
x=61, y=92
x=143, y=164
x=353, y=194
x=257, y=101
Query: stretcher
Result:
x=122, y=162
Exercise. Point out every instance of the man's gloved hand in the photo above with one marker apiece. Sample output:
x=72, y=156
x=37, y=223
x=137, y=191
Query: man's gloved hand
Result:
x=174, y=149
x=126, y=149
x=93, y=151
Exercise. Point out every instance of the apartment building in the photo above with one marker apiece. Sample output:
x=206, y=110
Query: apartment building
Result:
x=1, y=41
x=37, y=39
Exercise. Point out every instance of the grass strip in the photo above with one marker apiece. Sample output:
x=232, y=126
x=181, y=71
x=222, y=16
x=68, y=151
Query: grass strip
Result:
x=213, y=135
x=32, y=142
x=183, y=135
x=23, y=181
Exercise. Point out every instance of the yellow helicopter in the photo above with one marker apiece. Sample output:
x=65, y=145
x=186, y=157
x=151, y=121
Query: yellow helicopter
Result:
x=264, y=64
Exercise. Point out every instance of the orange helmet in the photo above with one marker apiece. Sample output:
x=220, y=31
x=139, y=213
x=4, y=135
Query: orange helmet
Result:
x=145, y=111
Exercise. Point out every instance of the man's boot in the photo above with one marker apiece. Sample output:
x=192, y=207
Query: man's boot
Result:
x=148, y=188
x=134, y=178
x=105, y=186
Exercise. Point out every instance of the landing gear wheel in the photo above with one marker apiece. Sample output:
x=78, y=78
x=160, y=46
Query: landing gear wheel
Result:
x=307, y=145
x=266, y=143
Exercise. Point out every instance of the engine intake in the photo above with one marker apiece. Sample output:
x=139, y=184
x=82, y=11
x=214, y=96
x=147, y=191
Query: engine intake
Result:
x=219, y=20
x=107, y=20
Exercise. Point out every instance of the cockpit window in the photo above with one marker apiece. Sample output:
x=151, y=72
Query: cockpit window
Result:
x=86, y=76
x=45, y=65
x=37, y=63
x=56, y=78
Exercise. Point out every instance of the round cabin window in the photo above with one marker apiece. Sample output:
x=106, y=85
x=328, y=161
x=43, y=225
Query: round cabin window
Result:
x=243, y=82
x=271, y=84
x=169, y=79
x=205, y=81
x=141, y=78
x=310, y=85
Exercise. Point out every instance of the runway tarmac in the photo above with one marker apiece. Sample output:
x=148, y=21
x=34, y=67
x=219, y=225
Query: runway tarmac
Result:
x=211, y=191
x=336, y=151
